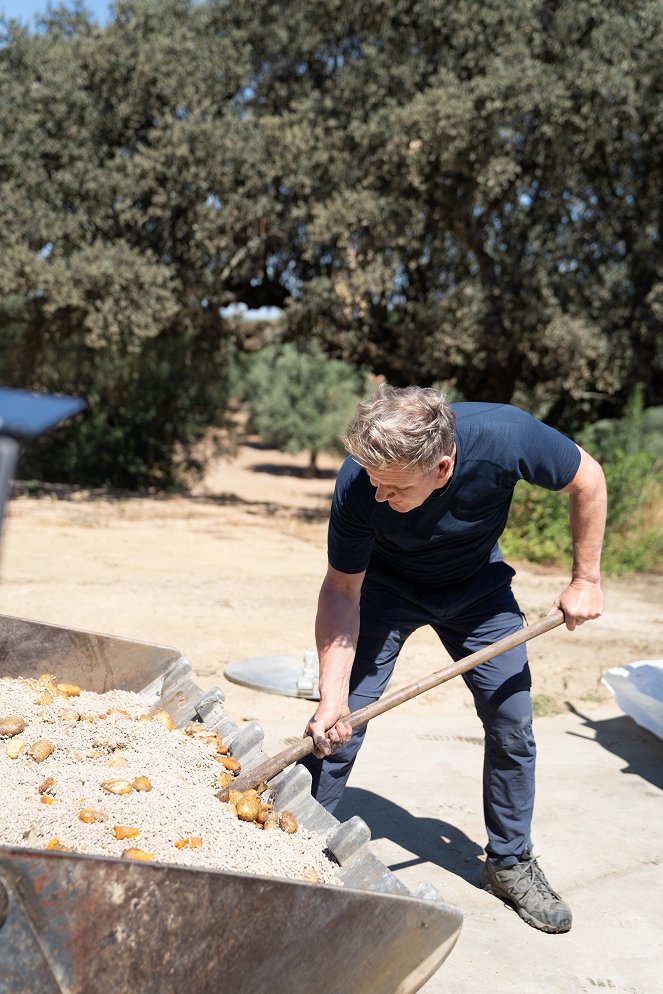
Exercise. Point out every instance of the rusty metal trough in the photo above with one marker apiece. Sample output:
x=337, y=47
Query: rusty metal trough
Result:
x=75, y=924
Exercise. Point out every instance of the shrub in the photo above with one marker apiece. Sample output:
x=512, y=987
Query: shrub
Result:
x=142, y=407
x=300, y=400
x=538, y=525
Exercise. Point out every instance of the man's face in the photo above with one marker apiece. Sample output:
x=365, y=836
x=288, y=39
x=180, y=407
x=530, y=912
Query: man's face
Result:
x=404, y=489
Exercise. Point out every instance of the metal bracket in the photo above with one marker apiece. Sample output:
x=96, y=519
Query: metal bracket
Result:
x=211, y=707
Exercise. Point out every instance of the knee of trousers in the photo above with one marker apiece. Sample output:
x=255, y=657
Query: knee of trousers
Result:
x=514, y=738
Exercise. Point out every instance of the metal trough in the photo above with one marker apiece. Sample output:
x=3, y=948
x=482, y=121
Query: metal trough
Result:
x=75, y=924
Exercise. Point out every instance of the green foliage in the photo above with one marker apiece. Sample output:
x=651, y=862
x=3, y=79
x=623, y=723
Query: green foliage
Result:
x=639, y=430
x=301, y=400
x=143, y=408
x=538, y=529
x=467, y=194
x=545, y=705
x=110, y=141
x=538, y=525
x=480, y=206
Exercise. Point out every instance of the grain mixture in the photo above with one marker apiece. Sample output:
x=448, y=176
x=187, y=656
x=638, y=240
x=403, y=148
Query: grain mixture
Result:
x=94, y=774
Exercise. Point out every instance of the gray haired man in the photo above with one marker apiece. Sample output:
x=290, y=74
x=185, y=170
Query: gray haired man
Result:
x=417, y=513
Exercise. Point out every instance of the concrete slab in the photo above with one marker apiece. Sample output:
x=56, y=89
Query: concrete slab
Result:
x=597, y=831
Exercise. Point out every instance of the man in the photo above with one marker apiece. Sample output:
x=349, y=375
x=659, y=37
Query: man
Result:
x=418, y=509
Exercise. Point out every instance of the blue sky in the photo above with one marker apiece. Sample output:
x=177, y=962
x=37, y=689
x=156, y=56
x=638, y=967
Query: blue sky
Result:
x=24, y=10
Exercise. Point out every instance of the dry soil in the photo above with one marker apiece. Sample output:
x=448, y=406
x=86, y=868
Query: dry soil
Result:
x=233, y=571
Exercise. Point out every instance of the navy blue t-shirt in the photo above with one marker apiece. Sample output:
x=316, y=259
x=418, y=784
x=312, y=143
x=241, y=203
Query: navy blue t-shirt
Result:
x=455, y=531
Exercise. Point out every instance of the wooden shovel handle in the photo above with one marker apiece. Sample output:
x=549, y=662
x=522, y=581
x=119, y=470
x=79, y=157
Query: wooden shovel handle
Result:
x=265, y=771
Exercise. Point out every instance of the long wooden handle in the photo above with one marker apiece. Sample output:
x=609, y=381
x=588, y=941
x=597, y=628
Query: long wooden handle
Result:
x=263, y=772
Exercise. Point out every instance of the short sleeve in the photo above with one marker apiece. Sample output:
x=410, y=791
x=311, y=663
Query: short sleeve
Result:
x=545, y=457
x=350, y=536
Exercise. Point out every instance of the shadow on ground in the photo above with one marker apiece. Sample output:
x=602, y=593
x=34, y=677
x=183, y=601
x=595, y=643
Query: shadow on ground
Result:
x=297, y=472
x=107, y=495
x=642, y=751
x=428, y=839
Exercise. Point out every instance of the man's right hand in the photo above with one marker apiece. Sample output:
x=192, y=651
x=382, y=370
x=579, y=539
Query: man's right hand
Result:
x=327, y=732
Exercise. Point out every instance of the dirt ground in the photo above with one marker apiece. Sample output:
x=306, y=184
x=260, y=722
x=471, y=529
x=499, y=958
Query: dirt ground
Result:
x=233, y=571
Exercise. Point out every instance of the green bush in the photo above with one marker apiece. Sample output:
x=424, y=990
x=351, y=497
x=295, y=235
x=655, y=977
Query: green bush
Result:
x=538, y=528
x=143, y=407
x=300, y=400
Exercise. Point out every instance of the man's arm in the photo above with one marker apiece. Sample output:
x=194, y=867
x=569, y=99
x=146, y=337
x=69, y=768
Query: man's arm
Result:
x=583, y=598
x=336, y=633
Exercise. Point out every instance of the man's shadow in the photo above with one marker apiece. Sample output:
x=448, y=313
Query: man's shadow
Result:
x=642, y=750
x=428, y=839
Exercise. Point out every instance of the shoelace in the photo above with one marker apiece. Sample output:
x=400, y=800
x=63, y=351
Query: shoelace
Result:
x=537, y=879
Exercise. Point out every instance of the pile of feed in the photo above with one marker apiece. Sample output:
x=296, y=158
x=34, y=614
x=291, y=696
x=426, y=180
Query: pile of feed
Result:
x=94, y=773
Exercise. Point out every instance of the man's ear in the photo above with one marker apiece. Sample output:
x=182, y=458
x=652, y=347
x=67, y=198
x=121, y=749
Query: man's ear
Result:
x=445, y=465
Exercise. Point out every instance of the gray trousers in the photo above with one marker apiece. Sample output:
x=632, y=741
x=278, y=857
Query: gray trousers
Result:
x=466, y=617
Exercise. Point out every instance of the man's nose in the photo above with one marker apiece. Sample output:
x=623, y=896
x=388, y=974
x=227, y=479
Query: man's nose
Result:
x=383, y=493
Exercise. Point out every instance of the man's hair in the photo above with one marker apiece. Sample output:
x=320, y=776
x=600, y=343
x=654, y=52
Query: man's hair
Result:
x=412, y=427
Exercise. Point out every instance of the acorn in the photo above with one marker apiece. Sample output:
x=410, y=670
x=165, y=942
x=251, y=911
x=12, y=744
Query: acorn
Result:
x=125, y=832
x=141, y=783
x=117, y=786
x=41, y=750
x=248, y=808
x=11, y=725
x=288, y=822
x=264, y=813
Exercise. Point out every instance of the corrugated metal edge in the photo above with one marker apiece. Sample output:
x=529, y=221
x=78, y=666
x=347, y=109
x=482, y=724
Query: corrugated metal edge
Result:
x=348, y=842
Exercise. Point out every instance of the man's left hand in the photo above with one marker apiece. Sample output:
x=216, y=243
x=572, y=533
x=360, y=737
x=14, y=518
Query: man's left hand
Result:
x=581, y=601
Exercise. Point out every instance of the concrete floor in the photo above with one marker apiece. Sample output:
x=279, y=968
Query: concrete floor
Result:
x=598, y=832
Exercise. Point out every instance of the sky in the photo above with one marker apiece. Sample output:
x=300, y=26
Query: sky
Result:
x=24, y=10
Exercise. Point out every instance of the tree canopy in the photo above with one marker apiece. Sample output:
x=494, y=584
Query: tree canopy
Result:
x=466, y=194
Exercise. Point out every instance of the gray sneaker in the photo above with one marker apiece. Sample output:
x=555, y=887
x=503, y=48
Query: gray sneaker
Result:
x=525, y=886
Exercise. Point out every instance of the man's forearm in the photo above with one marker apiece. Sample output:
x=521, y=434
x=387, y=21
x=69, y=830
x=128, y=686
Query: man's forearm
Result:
x=583, y=599
x=587, y=512
x=336, y=633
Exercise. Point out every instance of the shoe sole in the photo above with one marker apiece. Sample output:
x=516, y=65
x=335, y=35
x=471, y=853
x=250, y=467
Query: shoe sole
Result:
x=490, y=888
